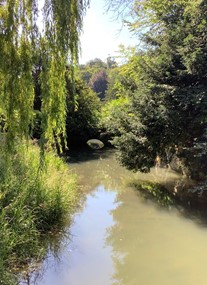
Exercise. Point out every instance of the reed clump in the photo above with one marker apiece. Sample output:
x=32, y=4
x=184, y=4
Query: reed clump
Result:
x=34, y=200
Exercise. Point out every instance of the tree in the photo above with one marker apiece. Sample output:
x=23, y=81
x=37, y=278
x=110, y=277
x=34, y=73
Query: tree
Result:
x=114, y=86
x=90, y=68
x=169, y=94
x=83, y=112
x=122, y=80
x=98, y=83
x=21, y=45
x=95, y=73
x=111, y=62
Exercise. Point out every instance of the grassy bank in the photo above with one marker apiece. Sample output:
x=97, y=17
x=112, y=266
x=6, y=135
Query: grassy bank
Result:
x=32, y=203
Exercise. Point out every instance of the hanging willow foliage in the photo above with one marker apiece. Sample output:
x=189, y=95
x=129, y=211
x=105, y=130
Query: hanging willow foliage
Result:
x=22, y=45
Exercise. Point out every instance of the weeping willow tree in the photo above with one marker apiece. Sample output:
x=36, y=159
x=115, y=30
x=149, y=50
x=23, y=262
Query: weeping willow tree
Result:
x=28, y=35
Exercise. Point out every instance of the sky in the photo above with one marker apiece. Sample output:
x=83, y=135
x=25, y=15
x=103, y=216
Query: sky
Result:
x=102, y=34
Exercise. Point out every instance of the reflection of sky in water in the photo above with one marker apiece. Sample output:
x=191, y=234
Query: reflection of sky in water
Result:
x=92, y=263
x=87, y=258
x=119, y=238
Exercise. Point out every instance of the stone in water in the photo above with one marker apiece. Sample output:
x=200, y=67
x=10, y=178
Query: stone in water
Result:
x=95, y=144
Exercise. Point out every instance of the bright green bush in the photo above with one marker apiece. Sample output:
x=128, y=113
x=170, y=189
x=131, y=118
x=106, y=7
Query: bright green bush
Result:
x=111, y=113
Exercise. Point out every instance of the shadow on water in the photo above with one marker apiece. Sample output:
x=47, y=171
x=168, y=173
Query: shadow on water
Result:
x=144, y=224
x=163, y=197
x=86, y=154
x=154, y=251
x=150, y=249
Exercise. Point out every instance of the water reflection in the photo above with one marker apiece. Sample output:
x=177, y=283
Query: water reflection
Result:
x=100, y=167
x=97, y=167
x=54, y=245
x=155, y=246
x=120, y=238
x=86, y=259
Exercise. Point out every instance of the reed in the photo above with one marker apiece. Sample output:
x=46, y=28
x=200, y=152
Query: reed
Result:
x=34, y=200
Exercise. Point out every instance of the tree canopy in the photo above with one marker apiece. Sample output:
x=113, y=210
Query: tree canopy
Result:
x=25, y=42
x=95, y=73
x=167, y=110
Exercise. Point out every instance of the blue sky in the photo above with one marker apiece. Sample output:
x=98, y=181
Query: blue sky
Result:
x=102, y=35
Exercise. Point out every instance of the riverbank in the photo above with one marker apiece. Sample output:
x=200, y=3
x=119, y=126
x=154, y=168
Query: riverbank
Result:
x=127, y=238
x=33, y=203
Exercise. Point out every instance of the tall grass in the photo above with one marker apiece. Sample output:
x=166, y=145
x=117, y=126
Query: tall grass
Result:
x=32, y=202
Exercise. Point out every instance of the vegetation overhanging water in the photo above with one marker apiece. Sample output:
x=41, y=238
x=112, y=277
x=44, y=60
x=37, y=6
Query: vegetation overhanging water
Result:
x=152, y=107
x=120, y=236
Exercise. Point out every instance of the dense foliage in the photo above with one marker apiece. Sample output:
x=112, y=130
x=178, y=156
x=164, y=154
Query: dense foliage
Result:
x=167, y=110
x=82, y=109
x=32, y=203
x=83, y=113
x=22, y=43
x=95, y=73
x=90, y=68
x=36, y=46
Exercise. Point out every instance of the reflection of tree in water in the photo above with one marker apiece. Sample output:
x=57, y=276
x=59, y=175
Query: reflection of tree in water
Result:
x=131, y=240
x=99, y=167
x=141, y=240
x=52, y=247
x=137, y=221
x=122, y=236
x=94, y=169
x=124, y=241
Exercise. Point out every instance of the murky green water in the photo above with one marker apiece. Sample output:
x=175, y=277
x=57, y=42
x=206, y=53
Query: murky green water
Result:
x=118, y=237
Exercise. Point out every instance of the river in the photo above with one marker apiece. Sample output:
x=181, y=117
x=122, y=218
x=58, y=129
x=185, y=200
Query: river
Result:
x=118, y=237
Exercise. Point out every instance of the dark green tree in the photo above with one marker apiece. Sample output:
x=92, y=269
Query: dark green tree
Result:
x=167, y=114
x=83, y=113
